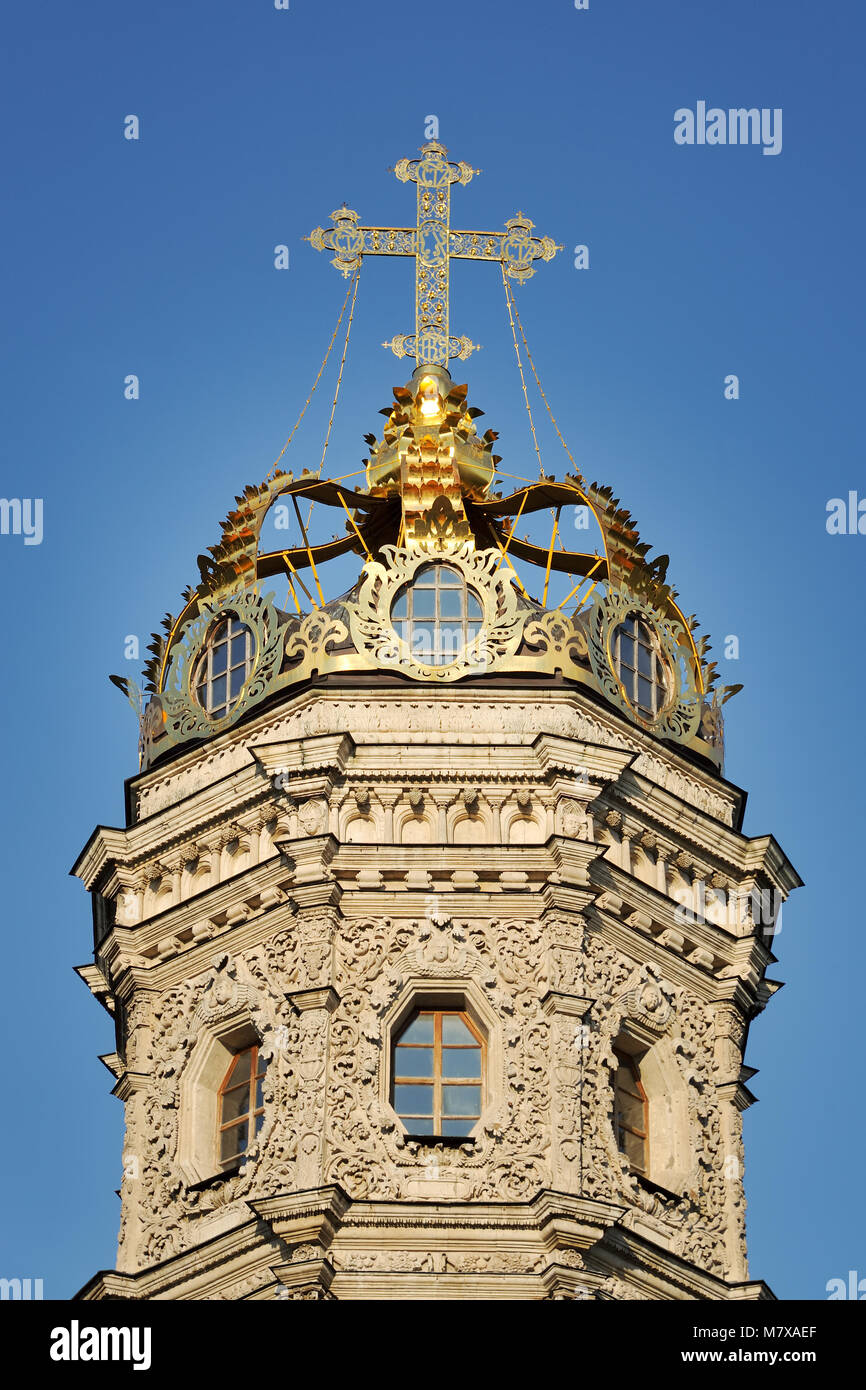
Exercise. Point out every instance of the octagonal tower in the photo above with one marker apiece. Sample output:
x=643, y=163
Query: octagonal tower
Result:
x=432, y=938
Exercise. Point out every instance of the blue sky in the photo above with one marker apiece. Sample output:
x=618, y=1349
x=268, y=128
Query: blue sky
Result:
x=156, y=257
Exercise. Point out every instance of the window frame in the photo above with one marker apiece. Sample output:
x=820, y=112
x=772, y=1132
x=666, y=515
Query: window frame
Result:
x=632, y=1063
x=465, y=623
x=642, y=636
x=453, y=1009
x=254, y=1115
x=204, y=677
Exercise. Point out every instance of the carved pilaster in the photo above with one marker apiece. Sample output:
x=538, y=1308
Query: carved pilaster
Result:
x=569, y=1040
x=314, y=1007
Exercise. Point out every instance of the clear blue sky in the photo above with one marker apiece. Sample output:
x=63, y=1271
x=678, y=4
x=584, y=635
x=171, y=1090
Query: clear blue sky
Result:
x=156, y=258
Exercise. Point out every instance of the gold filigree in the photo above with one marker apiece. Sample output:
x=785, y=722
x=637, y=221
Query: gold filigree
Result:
x=374, y=634
x=434, y=245
x=680, y=715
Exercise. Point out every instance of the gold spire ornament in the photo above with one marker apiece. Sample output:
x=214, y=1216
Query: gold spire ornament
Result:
x=434, y=245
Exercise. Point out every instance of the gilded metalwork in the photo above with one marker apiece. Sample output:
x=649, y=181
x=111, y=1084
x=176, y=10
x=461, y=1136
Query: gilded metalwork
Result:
x=374, y=634
x=680, y=715
x=176, y=712
x=434, y=245
x=428, y=499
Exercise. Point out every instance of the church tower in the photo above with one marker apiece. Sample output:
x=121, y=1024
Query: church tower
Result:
x=432, y=939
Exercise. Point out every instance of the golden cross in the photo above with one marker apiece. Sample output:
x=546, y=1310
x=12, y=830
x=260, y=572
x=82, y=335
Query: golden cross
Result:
x=433, y=244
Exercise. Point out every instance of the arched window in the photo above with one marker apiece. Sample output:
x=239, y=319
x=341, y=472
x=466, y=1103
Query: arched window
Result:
x=631, y=1112
x=438, y=1073
x=241, y=1107
x=437, y=615
x=640, y=666
x=224, y=666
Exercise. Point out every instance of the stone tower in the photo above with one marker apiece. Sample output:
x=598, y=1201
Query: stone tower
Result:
x=432, y=939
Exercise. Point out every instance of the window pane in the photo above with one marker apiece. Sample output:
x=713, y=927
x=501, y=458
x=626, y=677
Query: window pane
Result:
x=449, y=578
x=625, y=1076
x=218, y=659
x=239, y=649
x=451, y=603
x=644, y=693
x=218, y=692
x=422, y=640
x=260, y=1097
x=626, y=650
x=455, y=1030
x=626, y=1084
x=644, y=661
x=414, y=1100
x=458, y=1126
x=462, y=1062
x=414, y=1061
x=235, y=1104
x=401, y=608
x=425, y=579
x=418, y=1125
x=450, y=640
x=420, y=1030
x=240, y=1069
x=233, y=1141
x=630, y=1110
x=461, y=1100
x=238, y=676
x=260, y=1119
x=424, y=603
x=473, y=607
x=633, y=1149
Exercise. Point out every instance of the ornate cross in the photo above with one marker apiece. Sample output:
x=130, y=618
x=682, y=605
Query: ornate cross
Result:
x=433, y=244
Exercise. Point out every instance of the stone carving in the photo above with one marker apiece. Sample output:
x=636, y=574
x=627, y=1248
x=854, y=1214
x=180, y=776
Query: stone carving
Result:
x=439, y=1262
x=520, y=719
x=367, y=1155
x=223, y=993
x=576, y=821
x=649, y=1000
x=550, y=1118
x=158, y=1204
x=313, y=817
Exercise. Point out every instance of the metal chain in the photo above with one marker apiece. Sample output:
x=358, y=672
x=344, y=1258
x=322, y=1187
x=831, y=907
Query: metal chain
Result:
x=508, y=301
x=356, y=280
x=541, y=391
x=315, y=384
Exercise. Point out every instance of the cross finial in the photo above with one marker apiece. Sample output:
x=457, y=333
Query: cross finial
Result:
x=434, y=245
